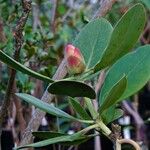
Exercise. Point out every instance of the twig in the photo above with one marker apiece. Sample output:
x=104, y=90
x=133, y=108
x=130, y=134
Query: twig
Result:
x=105, y=6
x=26, y=4
x=118, y=145
x=138, y=120
x=117, y=139
x=126, y=141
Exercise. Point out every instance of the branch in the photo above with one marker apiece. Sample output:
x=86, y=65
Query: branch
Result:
x=105, y=6
x=38, y=115
x=138, y=120
x=26, y=4
x=126, y=141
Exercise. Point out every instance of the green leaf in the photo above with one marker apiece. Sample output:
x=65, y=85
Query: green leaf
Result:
x=48, y=135
x=91, y=108
x=72, y=89
x=44, y=106
x=93, y=39
x=17, y=66
x=113, y=95
x=79, y=109
x=136, y=67
x=46, y=142
x=111, y=114
x=60, y=139
x=124, y=36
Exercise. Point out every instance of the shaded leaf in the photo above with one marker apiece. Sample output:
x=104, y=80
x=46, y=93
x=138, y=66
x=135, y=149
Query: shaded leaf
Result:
x=72, y=88
x=124, y=36
x=113, y=95
x=79, y=109
x=93, y=39
x=111, y=114
x=17, y=66
x=48, y=135
x=60, y=139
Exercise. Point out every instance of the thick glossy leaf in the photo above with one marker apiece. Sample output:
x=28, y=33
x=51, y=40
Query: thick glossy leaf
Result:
x=44, y=106
x=124, y=36
x=93, y=39
x=17, y=66
x=111, y=114
x=60, y=139
x=136, y=67
x=113, y=95
x=91, y=108
x=48, y=135
x=72, y=88
x=79, y=109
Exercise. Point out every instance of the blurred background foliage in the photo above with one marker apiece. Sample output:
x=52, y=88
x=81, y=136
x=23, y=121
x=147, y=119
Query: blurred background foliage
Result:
x=51, y=25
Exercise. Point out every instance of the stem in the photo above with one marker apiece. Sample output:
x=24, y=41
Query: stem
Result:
x=104, y=128
x=86, y=121
x=85, y=130
x=126, y=141
x=118, y=145
x=86, y=74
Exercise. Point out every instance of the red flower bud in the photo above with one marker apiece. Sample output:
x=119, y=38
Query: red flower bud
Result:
x=74, y=59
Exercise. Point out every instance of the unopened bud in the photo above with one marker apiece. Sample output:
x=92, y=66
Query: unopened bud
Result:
x=74, y=59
